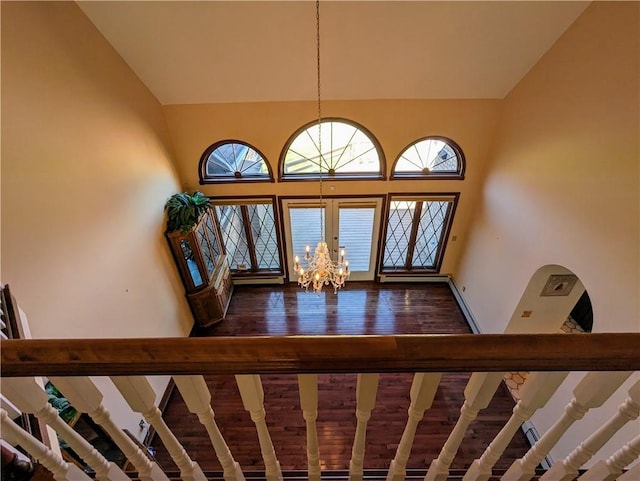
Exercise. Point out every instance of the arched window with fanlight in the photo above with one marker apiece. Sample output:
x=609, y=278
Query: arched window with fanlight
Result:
x=430, y=158
x=233, y=161
x=333, y=148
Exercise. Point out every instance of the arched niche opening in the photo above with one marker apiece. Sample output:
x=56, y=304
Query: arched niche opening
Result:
x=582, y=312
x=550, y=297
x=555, y=300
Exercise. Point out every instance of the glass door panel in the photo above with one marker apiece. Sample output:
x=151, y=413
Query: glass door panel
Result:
x=306, y=231
x=350, y=224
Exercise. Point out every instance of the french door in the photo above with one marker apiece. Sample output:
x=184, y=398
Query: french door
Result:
x=349, y=224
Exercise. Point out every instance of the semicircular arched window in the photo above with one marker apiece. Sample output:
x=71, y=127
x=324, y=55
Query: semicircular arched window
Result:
x=348, y=151
x=233, y=161
x=431, y=157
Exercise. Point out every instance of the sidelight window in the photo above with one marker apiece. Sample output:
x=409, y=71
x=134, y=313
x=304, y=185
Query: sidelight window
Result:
x=249, y=234
x=416, y=232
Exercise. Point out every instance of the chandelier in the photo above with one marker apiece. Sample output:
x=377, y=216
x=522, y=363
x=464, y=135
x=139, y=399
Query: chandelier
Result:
x=321, y=270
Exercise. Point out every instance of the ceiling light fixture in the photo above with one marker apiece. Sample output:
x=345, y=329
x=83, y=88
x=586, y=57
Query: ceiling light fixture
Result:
x=321, y=269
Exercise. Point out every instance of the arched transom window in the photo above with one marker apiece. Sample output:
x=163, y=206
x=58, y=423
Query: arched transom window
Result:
x=348, y=151
x=432, y=157
x=232, y=161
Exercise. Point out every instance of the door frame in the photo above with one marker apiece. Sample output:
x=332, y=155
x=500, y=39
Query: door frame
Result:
x=332, y=205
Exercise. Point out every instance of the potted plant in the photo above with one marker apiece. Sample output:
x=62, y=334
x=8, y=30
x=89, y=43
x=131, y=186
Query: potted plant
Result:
x=61, y=403
x=184, y=210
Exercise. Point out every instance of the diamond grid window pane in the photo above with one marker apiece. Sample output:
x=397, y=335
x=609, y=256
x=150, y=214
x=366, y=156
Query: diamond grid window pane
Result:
x=432, y=221
x=213, y=238
x=204, y=243
x=265, y=239
x=415, y=242
x=398, y=231
x=346, y=149
x=262, y=231
x=233, y=235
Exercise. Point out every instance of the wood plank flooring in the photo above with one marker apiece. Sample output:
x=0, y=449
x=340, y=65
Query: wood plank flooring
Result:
x=361, y=308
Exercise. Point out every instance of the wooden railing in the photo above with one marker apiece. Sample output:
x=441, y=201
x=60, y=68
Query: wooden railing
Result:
x=322, y=354
x=609, y=359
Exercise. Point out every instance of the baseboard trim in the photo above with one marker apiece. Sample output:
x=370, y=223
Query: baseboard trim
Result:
x=466, y=311
x=528, y=428
x=258, y=280
x=399, y=278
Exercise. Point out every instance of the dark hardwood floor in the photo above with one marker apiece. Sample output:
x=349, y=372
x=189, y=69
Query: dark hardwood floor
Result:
x=361, y=308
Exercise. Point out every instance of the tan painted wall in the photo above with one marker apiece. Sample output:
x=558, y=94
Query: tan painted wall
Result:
x=563, y=186
x=86, y=172
x=395, y=124
x=86, y=169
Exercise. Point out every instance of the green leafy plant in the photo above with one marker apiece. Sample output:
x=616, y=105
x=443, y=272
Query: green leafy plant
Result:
x=61, y=403
x=184, y=210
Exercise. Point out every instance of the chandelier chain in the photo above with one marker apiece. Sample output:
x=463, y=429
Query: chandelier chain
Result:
x=322, y=236
x=321, y=270
x=318, y=55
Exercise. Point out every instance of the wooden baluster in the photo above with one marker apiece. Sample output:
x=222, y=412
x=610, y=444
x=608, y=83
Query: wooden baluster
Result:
x=632, y=474
x=478, y=394
x=308, y=386
x=61, y=470
x=141, y=397
x=613, y=467
x=366, y=390
x=86, y=397
x=591, y=392
x=423, y=390
x=567, y=469
x=537, y=390
x=250, y=388
x=29, y=397
x=197, y=397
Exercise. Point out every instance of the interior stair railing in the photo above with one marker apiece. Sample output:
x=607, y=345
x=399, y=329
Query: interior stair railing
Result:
x=608, y=359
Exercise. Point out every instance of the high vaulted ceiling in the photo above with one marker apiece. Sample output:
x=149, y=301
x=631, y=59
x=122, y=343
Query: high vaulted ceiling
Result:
x=246, y=51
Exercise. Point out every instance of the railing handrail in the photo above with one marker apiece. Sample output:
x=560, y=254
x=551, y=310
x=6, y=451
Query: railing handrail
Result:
x=321, y=354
